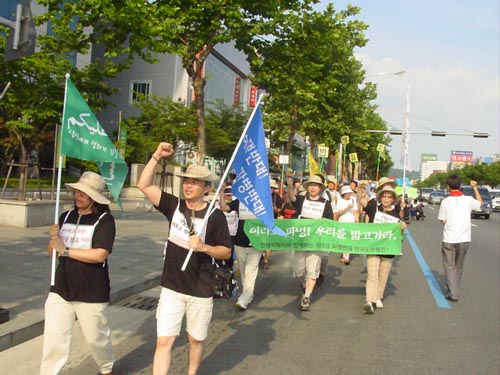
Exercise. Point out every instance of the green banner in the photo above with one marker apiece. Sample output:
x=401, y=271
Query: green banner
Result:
x=84, y=138
x=327, y=235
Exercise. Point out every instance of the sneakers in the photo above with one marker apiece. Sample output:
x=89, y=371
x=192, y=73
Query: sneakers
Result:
x=451, y=299
x=240, y=306
x=368, y=307
x=305, y=304
x=379, y=304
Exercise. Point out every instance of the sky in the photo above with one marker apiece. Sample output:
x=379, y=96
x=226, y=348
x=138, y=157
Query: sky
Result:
x=449, y=50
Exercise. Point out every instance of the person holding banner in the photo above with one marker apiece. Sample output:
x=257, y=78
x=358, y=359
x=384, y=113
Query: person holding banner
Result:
x=83, y=240
x=308, y=263
x=347, y=212
x=379, y=266
x=185, y=292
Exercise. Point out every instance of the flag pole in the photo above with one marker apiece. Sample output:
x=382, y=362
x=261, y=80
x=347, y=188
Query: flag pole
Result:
x=224, y=176
x=58, y=188
x=406, y=140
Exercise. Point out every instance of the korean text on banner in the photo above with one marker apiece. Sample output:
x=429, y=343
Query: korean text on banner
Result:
x=84, y=138
x=328, y=235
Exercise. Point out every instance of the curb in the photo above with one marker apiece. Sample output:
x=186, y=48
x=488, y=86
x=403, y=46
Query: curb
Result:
x=27, y=328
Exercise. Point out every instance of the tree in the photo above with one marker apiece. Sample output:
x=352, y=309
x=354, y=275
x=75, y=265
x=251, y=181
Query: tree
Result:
x=313, y=80
x=189, y=29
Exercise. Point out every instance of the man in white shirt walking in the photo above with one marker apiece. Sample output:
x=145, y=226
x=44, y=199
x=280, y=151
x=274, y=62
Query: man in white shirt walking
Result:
x=455, y=214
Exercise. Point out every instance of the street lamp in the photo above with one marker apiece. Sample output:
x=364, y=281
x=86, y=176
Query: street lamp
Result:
x=400, y=73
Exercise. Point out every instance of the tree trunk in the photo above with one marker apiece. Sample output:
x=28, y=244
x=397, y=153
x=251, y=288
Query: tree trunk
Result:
x=23, y=160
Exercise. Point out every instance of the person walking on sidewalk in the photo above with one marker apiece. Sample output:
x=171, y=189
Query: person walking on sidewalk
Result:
x=247, y=257
x=379, y=266
x=308, y=263
x=83, y=240
x=187, y=292
x=455, y=214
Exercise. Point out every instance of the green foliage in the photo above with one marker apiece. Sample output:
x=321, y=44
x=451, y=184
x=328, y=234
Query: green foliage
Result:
x=484, y=174
x=315, y=84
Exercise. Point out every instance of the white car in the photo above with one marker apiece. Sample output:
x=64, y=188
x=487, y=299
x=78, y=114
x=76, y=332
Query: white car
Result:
x=495, y=198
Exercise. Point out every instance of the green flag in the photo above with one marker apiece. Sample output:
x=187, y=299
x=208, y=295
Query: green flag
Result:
x=84, y=138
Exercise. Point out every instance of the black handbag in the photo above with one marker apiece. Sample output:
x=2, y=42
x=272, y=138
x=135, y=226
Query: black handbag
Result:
x=224, y=284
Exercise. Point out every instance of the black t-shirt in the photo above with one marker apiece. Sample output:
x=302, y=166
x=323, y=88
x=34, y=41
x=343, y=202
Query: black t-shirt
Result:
x=240, y=239
x=277, y=202
x=86, y=282
x=327, y=211
x=196, y=279
x=371, y=209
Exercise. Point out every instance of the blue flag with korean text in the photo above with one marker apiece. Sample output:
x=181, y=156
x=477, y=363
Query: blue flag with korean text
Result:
x=252, y=185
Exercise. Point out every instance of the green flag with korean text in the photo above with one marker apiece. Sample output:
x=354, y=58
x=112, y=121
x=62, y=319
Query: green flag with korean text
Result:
x=83, y=137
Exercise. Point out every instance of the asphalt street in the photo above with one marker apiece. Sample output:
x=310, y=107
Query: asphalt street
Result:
x=417, y=332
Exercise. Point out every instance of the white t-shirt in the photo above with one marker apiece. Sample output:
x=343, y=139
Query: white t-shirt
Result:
x=348, y=216
x=455, y=211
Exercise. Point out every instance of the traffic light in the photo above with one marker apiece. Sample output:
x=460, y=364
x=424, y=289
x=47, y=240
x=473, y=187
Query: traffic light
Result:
x=21, y=40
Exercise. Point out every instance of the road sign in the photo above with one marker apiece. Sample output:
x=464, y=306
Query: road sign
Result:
x=283, y=159
x=323, y=151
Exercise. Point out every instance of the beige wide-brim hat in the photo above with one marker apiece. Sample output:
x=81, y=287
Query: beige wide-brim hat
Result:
x=91, y=184
x=198, y=172
x=345, y=190
x=330, y=178
x=384, y=181
x=315, y=180
x=388, y=189
x=274, y=184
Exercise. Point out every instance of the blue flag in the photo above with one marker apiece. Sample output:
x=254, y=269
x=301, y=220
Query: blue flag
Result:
x=252, y=186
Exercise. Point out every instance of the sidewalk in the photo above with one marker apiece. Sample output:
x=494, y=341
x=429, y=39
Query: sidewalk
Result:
x=135, y=265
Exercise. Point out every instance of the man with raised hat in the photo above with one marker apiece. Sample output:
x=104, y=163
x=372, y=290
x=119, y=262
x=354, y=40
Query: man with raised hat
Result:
x=83, y=240
x=308, y=263
x=187, y=292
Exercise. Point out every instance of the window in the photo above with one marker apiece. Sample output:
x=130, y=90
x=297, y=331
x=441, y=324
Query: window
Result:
x=139, y=89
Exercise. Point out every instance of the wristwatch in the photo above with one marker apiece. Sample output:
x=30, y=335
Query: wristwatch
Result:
x=65, y=253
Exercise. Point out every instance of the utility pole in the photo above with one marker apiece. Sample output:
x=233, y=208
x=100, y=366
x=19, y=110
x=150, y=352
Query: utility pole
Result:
x=21, y=40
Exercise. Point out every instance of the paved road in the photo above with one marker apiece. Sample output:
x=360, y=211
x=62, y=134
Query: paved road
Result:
x=415, y=333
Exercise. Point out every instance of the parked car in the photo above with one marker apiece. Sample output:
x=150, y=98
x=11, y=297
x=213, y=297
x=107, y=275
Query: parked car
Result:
x=436, y=197
x=495, y=199
x=486, y=207
x=424, y=193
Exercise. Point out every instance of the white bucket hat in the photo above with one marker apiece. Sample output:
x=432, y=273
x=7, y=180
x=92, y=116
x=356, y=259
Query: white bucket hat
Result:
x=346, y=189
x=91, y=184
x=198, y=172
x=274, y=184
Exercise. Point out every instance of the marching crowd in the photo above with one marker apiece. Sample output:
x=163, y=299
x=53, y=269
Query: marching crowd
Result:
x=83, y=239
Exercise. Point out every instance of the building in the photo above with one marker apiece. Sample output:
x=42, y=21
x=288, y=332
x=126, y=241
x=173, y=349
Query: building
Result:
x=226, y=71
x=430, y=167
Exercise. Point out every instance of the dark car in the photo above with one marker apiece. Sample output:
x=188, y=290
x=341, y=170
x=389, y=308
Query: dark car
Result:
x=487, y=205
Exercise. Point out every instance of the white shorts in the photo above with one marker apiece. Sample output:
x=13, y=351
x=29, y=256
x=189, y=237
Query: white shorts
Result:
x=308, y=263
x=171, y=309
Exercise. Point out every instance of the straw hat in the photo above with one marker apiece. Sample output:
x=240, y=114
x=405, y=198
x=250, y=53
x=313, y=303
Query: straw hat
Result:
x=383, y=181
x=346, y=189
x=274, y=184
x=315, y=180
x=388, y=189
x=91, y=184
x=198, y=172
x=331, y=179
